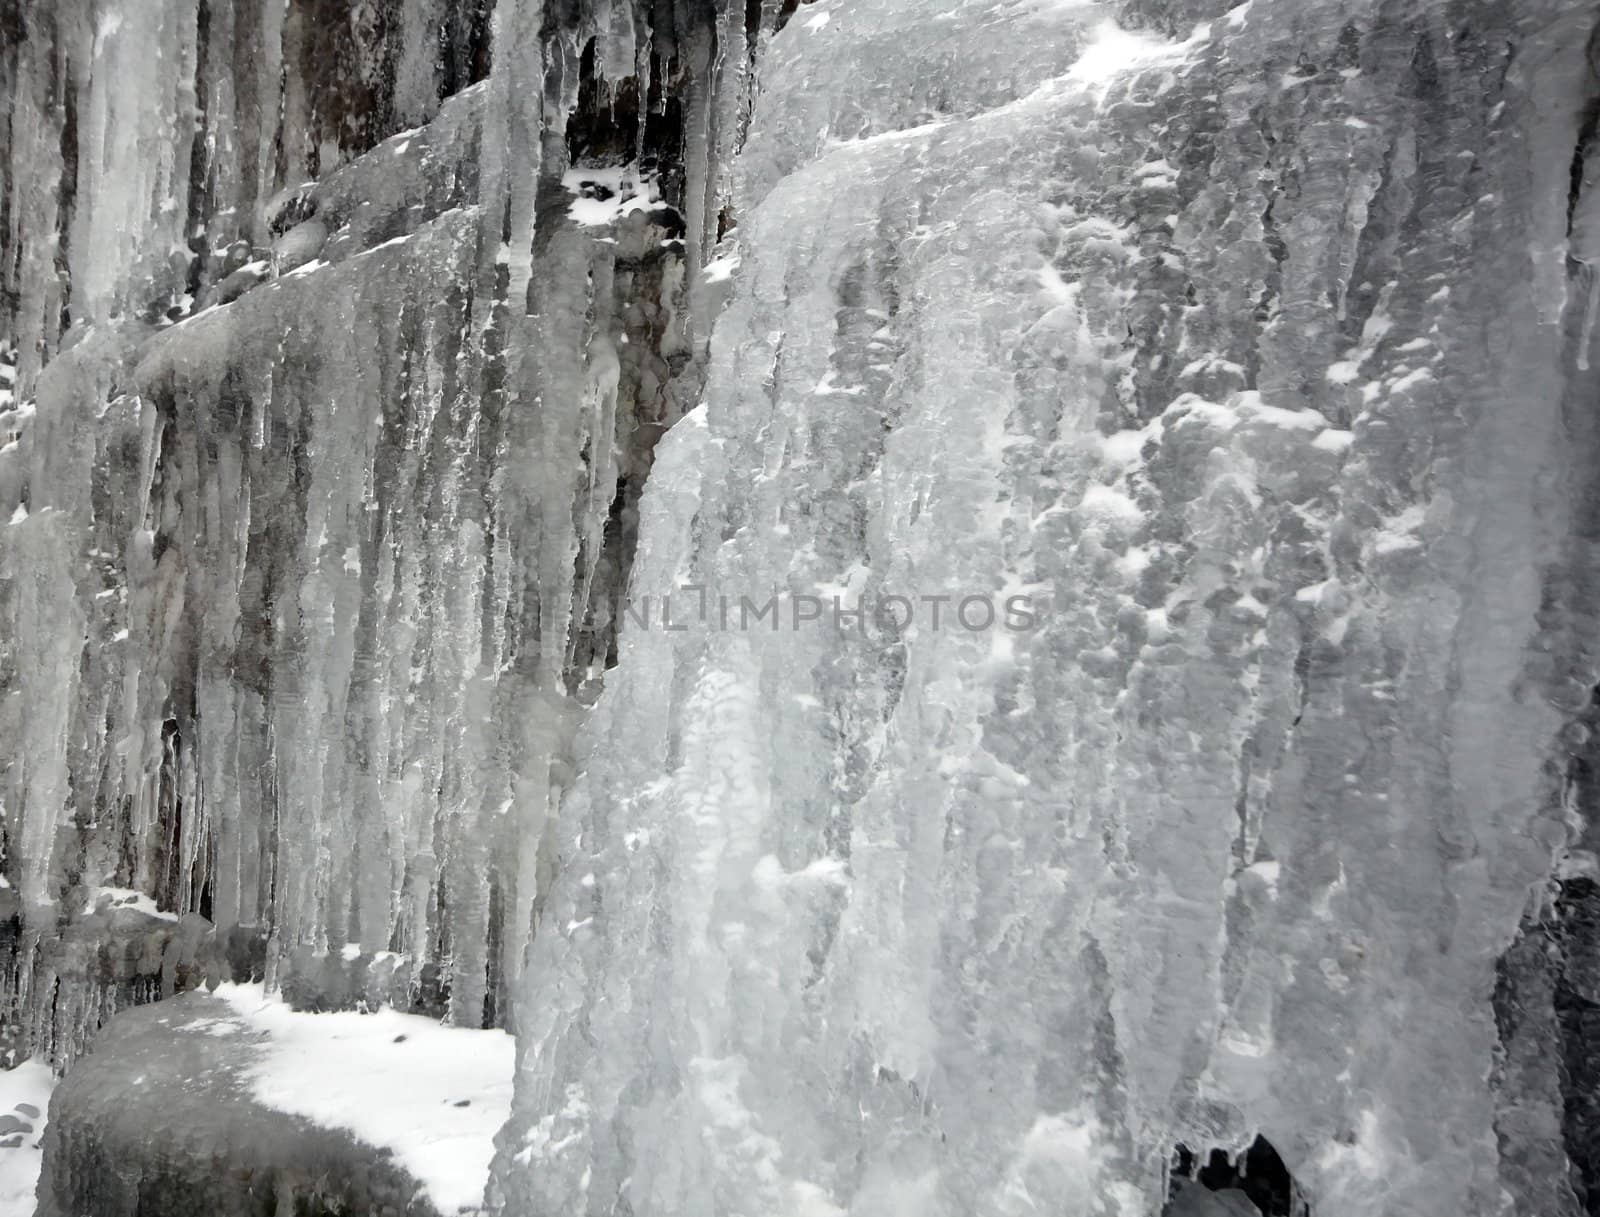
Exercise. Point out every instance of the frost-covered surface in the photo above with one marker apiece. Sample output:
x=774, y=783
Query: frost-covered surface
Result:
x=431, y=1095
x=24, y=1111
x=318, y=485
x=1250, y=343
x=1257, y=355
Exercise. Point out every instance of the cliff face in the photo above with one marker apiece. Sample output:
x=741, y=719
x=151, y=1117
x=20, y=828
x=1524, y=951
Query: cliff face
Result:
x=1194, y=400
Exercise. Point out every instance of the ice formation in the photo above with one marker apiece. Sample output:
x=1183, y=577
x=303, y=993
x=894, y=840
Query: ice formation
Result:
x=338, y=506
x=1225, y=348
x=376, y=376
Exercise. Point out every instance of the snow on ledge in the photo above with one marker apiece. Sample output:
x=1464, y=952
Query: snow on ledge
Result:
x=125, y=897
x=24, y=1107
x=1112, y=50
x=602, y=195
x=434, y=1096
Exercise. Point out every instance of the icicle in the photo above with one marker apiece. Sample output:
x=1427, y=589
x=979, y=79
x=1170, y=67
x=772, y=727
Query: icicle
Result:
x=1583, y=241
x=642, y=66
x=133, y=175
x=1592, y=273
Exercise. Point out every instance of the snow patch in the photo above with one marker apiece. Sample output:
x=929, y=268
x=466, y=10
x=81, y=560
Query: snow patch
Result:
x=1126, y=447
x=821, y=873
x=1400, y=532
x=1268, y=872
x=1250, y=406
x=1112, y=50
x=604, y=194
x=720, y=269
x=434, y=1096
x=125, y=898
x=1411, y=381
x=1110, y=506
x=25, y=1098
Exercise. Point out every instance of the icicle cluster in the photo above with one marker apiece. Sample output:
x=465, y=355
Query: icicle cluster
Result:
x=319, y=477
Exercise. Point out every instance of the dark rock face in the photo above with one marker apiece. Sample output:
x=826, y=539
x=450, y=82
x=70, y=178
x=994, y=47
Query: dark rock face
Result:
x=156, y=1122
x=1547, y=1007
x=1253, y=1183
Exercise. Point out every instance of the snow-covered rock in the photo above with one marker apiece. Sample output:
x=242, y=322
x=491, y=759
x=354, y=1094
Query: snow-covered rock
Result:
x=236, y=1104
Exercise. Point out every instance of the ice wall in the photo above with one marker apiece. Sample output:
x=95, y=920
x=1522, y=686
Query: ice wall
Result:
x=327, y=419
x=142, y=141
x=1260, y=357
x=1252, y=356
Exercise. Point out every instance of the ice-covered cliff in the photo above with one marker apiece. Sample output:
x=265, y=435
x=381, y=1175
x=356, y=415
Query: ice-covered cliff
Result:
x=318, y=507
x=1093, y=664
x=1258, y=355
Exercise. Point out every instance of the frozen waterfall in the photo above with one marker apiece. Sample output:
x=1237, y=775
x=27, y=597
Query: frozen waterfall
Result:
x=947, y=608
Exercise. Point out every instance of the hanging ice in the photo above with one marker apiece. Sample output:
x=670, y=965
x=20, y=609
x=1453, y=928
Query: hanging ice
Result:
x=941, y=920
x=1206, y=388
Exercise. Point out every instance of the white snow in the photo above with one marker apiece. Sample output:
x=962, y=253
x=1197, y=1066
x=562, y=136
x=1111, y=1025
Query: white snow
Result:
x=1400, y=532
x=125, y=897
x=720, y=269
x=1135, y=562
x=25, y=1096
x=1112, y=50
x=1363, y=1156
x=626, y=189
x=1250, y=406
x=434, y=1096
x=1126, y=447
x=1268, y=872
x=1411, y=381
x=1110, y=506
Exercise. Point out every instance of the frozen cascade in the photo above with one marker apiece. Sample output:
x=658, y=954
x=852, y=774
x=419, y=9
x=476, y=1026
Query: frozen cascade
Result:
x=1255, y=352
x=1246, y=347
x=317, y=483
